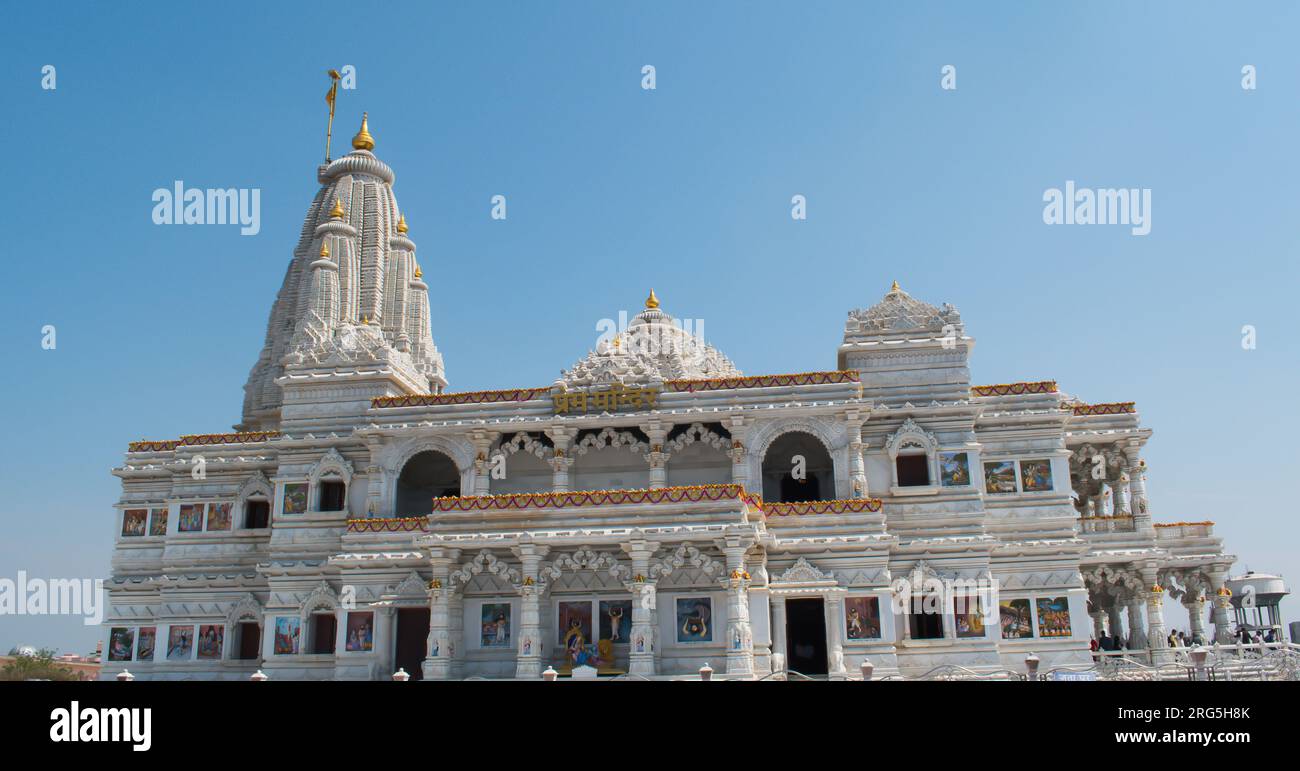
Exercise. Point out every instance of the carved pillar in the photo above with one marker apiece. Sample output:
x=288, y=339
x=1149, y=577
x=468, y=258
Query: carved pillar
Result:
x=1194, y=601
x=560, y=462
x=740, y=636
x=1116, y=619
x=1121, y=500
x=1155, y=595
x=778, y=634
x=528, y=660
x=1138, y=489
x=1137, y=636
x=375, y=476
x=437, y=655
x=641, y=656
x=1098, y=624
x=738, y=454
x=456, y=630
x=657, y=458
x=834, y=643
x=482, y=462
x=1222, y=602
x=857, y=466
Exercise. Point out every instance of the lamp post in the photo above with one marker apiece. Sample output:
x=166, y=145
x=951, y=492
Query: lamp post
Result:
x=125, y=676
x=401, y=675
x=706, y=672
x=258, y=676
x=867, y=669
x=549, y=674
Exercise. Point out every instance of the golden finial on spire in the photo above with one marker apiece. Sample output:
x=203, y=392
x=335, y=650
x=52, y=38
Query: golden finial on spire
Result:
x=337, y=212
x=401, y=224
x=895, y=288
x=418, y=273
x=324, y=249
x=651, y=302
x=365, y=319
x=363, y=140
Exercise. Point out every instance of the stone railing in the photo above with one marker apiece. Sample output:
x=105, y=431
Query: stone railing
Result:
x=1170, y=530
x=1120, y=523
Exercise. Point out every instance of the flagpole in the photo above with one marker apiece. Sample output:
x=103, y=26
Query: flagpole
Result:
x=329, y=97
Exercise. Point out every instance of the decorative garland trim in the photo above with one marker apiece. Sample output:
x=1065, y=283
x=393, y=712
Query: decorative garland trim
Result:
x=1015, y=389
x=191, y=440
x=1111, y=408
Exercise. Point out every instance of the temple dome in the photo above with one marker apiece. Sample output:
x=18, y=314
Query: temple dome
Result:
x=655, y=347
x=899, y=312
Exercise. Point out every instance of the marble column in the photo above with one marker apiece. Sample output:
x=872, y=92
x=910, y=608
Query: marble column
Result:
x=834, y=642
x=1114, y=613
x=740, y=637
x=1195, y=604
x=780, y=658
x=1137, y=635
x=1222, y=601
x=1098, y=624
x=1138, y=489
x=560, y=460
x=437, y=657
x=1156, y=639
x=385, y=640
x=482, y=461
x=857, y=466
x=657, y=459
x=739, y=456
x=641, y=656
x=528, y=661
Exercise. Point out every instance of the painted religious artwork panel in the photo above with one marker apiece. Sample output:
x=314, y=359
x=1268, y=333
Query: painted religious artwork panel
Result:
x=694, y=619
x=954, y=469
x=145, y=643
x=1016, y=620
x=1035, y=475
x=1053, y=617
x=210, y=638
x=494, y=618
x=287, y=634
x=190, y=519
x=218, y=516
x=574, y=623
x=158, y=522
x=862, y=618
x=968, y=617
x=120, y=641
x=616, y=621
x=133, y=522
x=1000, y=477
x=295, y=498
x=360, y=632
x=180, y=643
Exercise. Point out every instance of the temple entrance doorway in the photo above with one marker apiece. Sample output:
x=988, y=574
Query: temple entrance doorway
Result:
x=805, y=634
x=412, y=640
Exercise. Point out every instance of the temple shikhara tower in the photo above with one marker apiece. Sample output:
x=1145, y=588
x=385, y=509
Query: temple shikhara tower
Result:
x=652, y=510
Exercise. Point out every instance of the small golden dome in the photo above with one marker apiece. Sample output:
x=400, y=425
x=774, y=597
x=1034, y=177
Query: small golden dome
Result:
x=337, y=212
x=401, y=224
x=363, y=140
x=895, y=288
x=365, y=319
x=324, y=249
x=652, y=302
x=418, y=273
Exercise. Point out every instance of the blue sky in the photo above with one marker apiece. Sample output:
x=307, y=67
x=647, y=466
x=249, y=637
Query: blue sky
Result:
x=612, y=189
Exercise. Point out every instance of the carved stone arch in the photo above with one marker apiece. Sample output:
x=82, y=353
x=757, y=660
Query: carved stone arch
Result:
x=394, y=457
x=688, y=556
x=609, y=438
x=485, y=562
x=698, y=432
x=411, y=586
x=256, y=484
x=586, y=559
x=322, y=597
x=522, y=442
x=832, y=435
x=910, y=435
x=247, y=608
x=331, y=462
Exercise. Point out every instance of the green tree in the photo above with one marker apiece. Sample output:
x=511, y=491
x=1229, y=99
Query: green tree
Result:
x=38, y=666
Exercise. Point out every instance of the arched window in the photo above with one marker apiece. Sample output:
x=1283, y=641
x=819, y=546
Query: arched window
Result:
x=254, y=500
x=912, y=456
x=427, y=475
x=329, y=480
x=521, y=464
x=797, y=467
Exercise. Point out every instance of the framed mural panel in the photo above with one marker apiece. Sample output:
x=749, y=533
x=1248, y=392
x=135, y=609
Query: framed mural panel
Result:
x=288, y=631
x=120, y=641
x=574, y=624
x=862, y=618
x=1000, y=477
x=211, y=636
x=1035, y=475
x=616, y=621
x=1053, y=617
x=694, y=619
x=954, y=469
x=968, y=616
x=145, y=643
x=360, y=634
x=180, y=643
x=295, y=498
x=158, y=522
x=218, y=516
x=133, y=522
x=1016, y=620
x=190, y=519
x=494, y=621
